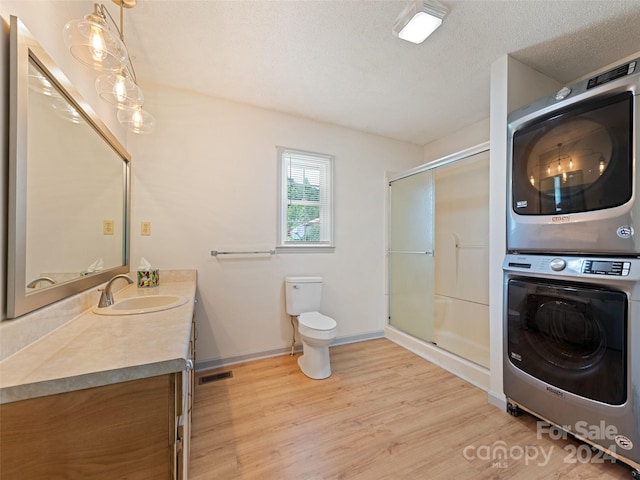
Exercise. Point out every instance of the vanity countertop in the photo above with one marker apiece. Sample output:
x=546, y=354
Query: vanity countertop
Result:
x=92, y=350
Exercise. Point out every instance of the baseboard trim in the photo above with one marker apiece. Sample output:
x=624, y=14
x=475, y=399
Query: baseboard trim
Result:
x=276, y=352
x=498, y=400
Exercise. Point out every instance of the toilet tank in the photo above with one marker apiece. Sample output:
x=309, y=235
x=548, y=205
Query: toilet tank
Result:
x=302, y=294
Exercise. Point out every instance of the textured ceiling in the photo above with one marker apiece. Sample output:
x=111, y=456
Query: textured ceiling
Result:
x=337, y=61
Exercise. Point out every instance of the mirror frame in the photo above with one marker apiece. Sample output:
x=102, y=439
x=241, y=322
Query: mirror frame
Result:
x=23, y=48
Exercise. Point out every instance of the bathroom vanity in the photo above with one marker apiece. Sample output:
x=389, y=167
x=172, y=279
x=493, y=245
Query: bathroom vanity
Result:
x=103, y=396
x=83, y=394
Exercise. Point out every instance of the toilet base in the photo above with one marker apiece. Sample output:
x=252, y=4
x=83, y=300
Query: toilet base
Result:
x=314, y=362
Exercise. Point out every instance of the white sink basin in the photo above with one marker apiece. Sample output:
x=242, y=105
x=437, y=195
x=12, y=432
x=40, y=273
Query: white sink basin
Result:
x=142, y=304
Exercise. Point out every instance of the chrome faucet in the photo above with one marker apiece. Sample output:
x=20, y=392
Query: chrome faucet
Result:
x=34, y=283
x=106, y=298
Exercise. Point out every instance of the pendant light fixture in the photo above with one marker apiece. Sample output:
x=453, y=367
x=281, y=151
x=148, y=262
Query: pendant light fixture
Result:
x=119, y=90
x=94, y=44
x=137, y=121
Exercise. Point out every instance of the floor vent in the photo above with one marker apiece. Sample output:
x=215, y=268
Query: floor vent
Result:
x=215, y=377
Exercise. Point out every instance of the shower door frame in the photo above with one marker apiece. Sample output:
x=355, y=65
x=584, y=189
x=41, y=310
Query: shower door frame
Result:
x=476, y=373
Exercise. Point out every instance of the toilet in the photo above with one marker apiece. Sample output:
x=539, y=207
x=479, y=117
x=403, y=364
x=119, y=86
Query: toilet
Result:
x=316, y=331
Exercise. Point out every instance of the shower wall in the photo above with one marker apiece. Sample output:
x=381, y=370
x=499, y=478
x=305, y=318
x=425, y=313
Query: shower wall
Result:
x=461, y=307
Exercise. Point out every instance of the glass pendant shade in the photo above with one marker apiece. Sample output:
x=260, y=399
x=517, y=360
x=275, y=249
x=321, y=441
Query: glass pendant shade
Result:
x=137, y=121
x=93, y=44
x=119, y=90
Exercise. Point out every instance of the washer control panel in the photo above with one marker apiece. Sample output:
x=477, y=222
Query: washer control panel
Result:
x=606, y=267
x=621, y=268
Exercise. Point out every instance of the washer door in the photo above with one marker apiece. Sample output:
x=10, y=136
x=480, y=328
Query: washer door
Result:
x=571, y=336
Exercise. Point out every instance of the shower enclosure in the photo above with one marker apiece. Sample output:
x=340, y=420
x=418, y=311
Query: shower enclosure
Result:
x=438, y=254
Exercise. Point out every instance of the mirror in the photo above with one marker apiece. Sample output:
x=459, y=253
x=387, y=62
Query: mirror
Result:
x=68, y=185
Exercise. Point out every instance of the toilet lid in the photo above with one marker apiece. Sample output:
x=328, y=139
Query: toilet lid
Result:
x=317, y=321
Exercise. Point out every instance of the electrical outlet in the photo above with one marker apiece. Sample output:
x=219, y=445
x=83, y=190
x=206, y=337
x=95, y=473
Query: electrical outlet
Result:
x=107, y=227
x=145, y=228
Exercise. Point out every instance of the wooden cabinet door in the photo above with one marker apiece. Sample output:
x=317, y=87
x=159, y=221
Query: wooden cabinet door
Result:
x=111, y=432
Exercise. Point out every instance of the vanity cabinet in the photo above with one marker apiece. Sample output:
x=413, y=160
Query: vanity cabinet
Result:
x=138, y=429
x=123, y=430
x=101, y=397
x=183, y=432
x=133, y=430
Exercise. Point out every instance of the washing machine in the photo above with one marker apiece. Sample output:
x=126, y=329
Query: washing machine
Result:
x=571, y=346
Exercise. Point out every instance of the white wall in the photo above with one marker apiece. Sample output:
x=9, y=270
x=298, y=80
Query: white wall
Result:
x=207, y=180
x=513, y=85
x=462, y=139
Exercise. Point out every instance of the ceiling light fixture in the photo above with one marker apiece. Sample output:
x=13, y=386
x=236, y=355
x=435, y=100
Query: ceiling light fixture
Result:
x=119, y=90
x=419, y=20
x=137, y=121
x=92, y=42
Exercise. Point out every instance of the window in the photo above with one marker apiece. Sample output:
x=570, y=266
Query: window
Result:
x=305, y=199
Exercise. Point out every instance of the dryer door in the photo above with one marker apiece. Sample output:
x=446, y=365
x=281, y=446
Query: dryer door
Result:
x=576, y=160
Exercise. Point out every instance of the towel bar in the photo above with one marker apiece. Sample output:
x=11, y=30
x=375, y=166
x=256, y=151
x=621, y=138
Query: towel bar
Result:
x=215, y=253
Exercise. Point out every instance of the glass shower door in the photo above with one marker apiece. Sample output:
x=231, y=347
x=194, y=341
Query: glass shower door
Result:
x=411, y=262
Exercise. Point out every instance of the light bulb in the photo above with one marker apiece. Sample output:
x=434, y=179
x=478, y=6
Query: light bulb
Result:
x=532, y=180
x=98, y=45
x=136, y=118
x=559, y=166
x=137, y=121
x=120, y=89
x=570, y=164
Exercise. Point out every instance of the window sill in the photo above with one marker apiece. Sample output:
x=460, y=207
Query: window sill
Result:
x=305, y=249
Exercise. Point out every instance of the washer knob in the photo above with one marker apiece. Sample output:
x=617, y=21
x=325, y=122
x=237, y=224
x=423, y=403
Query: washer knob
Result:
x=563, y=93
x=557, y=264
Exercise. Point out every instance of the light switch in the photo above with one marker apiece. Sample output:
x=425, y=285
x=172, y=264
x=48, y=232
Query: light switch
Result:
x=145, y=228
x=107, y=227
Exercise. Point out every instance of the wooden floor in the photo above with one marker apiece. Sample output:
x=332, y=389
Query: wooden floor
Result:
x=384, y=414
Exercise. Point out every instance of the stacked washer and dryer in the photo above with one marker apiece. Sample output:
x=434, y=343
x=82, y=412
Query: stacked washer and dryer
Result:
x=572, y=269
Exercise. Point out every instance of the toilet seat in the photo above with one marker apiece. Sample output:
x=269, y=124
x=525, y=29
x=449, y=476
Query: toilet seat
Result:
x=316, y=321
